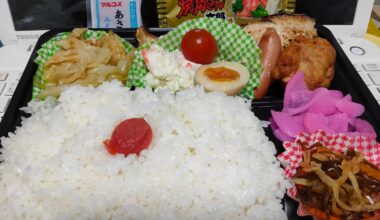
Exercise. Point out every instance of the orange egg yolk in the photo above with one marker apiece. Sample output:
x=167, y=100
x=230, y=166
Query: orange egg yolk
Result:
x=222, y=74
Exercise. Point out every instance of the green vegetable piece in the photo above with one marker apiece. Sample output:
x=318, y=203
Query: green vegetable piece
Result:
x=259, y=12
x=237, y=6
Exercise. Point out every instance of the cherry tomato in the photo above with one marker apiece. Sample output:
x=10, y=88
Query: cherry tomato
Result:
x=199, y=46
x=131, y=136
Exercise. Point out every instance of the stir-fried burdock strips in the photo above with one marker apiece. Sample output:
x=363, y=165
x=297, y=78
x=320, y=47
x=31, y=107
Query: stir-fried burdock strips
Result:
x=341, y=186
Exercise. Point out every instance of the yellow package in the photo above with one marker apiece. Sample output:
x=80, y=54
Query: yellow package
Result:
x=171, y=13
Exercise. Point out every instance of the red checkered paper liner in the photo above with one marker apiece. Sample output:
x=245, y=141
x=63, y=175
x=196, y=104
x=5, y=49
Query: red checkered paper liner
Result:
x=292, y=156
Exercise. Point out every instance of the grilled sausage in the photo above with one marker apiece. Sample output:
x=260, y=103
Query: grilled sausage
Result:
x=270, y=45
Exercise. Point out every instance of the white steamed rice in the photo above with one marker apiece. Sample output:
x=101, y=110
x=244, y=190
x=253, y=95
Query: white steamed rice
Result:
x=209, y=159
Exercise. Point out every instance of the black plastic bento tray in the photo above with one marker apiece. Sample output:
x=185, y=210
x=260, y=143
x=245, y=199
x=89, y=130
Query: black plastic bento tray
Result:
x=346, y=79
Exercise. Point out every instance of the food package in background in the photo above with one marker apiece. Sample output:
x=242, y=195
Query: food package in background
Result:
x=114, y=14
x=171, y=13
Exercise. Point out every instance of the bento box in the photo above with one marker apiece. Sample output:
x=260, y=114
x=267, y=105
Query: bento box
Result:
x=346, y=80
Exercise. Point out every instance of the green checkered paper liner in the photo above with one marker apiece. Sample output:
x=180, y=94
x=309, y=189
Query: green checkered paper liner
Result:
x=50, y=48
x=234, y=44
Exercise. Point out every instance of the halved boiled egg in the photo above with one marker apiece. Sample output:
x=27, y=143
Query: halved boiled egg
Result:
x=227, y=77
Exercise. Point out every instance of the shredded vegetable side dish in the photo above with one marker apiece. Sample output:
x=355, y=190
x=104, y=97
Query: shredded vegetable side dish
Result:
x=85, y=61
x=340, y=185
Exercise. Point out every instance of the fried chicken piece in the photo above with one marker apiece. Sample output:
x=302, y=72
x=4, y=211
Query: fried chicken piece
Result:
x=144, y=36
x=313, y=56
